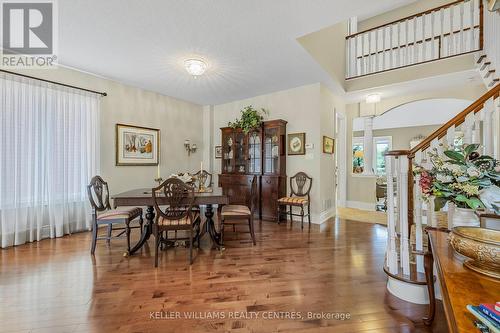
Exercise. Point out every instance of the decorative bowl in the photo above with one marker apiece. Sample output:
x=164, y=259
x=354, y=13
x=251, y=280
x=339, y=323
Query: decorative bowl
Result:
x=481, y=245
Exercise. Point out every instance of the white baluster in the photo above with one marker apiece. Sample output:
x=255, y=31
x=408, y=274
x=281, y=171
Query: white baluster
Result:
x=356, y=70
x=363, y=60
x=451, y=43
x=390, y=46
x=441, y=31
x=462, y=48
x=471, y=25
x=417, y=199
x=467, y=128
x=415, y=52
x=450, y=137
x=487, y=127
x=433, y=46
x=376, y=52
x=424, y=46
x=398, y=54
x=403, y=215
x=392, y=256
x=476, y=134
x=370, y=65
x=383, y=47
x=407, y=55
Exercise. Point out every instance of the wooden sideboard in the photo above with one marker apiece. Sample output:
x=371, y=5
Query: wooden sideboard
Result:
x=459, y=285
x=259, y=153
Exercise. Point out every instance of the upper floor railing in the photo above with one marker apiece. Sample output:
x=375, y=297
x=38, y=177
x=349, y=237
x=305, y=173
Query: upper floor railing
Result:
x=442, y=32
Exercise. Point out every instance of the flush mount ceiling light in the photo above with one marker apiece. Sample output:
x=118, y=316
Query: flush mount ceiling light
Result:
x=372, y=98
x=195, y=67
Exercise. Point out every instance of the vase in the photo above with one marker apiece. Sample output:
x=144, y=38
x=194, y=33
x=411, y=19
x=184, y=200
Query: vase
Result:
x=464, y=217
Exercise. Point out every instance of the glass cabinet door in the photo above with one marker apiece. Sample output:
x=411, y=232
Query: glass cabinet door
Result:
x=239, y=152
x=254, y=152
x=271, y=150
x=227, y=153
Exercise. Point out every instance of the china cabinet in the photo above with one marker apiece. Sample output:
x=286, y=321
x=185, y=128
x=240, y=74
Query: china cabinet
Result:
x=261, y=152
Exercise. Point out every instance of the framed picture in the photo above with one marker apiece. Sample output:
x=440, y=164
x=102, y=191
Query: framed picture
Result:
x=297, y=144
x=137, y=145
x=218, y=151
x=328, y=145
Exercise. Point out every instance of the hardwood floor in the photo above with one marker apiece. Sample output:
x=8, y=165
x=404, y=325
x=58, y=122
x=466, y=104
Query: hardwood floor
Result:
x=57, y=286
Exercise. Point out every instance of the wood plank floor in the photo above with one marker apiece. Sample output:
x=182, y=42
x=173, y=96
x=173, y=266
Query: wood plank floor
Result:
x=57, y=286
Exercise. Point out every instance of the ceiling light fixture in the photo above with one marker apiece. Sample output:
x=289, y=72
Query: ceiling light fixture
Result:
x=195, y=67
x=372, y=98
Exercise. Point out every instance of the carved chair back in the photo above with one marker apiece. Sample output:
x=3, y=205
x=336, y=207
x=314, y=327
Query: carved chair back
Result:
x=98, y=193
x=179, y=198
x=203, y=177
x=300, y=185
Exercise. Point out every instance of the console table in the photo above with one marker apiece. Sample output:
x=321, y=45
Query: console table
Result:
x=459, y=285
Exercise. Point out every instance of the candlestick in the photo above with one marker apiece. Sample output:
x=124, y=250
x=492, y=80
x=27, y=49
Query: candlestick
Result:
x=158, y=171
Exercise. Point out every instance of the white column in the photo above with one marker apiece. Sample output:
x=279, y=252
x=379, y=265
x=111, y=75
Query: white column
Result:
x=368, y=146
x=208, y=137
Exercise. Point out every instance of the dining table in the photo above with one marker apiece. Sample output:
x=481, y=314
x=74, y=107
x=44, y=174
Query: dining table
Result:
x=143, y=198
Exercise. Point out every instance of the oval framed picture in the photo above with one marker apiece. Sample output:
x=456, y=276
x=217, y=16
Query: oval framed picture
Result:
x=296, y=144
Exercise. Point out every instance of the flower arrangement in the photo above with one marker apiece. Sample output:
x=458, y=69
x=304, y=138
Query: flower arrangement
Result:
x=458, y=177
x=250, y=119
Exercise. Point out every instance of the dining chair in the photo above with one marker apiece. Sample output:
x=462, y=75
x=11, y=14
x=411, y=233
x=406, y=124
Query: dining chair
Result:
x=178, y=214
x=203, y=178
x=300, y=188
x=102, y=214
x=235, y=213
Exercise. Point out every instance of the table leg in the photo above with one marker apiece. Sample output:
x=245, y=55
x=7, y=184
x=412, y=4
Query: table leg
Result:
x=429, y=277
x=147, y=230
x=210, y=226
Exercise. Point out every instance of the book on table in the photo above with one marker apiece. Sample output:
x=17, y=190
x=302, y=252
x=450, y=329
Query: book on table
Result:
x=493, y=326
x=491, y=312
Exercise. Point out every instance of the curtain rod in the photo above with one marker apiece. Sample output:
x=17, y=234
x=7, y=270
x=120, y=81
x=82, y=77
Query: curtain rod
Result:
x=54, y=82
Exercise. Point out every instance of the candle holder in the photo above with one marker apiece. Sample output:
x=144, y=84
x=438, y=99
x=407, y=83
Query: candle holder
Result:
x=159, y=180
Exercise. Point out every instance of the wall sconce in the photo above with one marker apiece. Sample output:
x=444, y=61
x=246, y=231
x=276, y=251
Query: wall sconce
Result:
x=190, y=148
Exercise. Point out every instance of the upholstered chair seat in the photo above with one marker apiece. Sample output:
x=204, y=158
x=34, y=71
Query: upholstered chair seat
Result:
x=235, y=210
x=294, y=201
x=120, y=213
x=183, y=221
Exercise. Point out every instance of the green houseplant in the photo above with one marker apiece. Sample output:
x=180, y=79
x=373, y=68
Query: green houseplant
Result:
x=250, y=119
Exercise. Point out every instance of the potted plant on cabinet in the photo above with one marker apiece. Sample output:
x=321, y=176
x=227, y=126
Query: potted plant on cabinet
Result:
x=250, y=119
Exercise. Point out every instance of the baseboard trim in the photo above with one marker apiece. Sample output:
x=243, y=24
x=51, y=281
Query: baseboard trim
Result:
x=361, y=205
x=318, y=218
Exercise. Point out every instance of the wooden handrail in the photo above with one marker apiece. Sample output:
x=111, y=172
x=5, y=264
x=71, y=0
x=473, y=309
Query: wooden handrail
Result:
x=406, y=18
x=457, y=120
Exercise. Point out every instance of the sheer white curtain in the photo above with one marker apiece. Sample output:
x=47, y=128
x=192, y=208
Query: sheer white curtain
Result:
x=49, y=150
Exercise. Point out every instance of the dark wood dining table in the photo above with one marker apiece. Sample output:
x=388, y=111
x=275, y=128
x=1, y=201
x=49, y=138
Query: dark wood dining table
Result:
x=143, y=197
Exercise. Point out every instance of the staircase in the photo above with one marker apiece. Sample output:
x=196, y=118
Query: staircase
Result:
x=406, y=210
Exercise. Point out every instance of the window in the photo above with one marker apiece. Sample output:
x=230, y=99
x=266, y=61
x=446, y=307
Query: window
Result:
x=381, y=145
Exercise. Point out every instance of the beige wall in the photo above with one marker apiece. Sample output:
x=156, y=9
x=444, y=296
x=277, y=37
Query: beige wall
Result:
x=305, y=108
x=361, y=189
x=177, y=120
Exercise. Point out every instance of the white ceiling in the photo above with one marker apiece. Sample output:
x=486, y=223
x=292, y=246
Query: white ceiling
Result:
x=250, y=45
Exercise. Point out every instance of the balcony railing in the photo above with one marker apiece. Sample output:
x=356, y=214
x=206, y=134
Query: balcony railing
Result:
x=442, y=32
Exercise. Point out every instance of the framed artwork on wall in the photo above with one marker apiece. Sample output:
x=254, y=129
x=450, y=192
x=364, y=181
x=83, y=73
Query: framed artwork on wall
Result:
x=218, y=151
x=328, y=145
x=297, y=144
x=137, y=145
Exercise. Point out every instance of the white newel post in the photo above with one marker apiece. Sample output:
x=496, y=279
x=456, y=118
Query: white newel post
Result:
x=403, y=215
x=368, y=146
x=392, y=256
